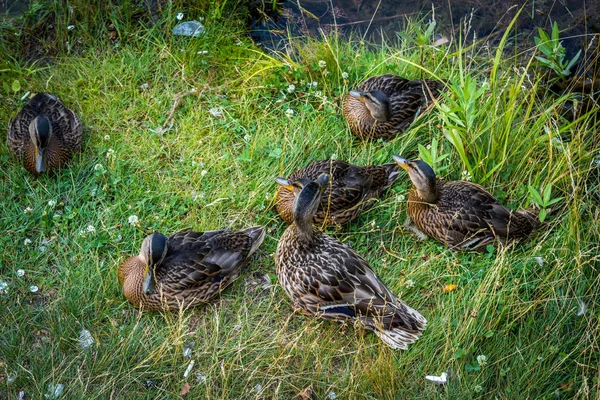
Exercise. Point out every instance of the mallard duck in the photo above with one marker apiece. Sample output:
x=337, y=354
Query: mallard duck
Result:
x=385, y=105
x=325, y=278
x=44, y=134
x=462, y=215
x=187, y=268
x=351, y=189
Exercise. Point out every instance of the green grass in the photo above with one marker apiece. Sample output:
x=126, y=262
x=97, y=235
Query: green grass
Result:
x=207, y=172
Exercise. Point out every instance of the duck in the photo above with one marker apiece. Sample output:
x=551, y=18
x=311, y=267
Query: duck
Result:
x=44, y=134
x=383, y=106
x=326, y=278
x=460, y=214
x=187, y=268
x=351, y=190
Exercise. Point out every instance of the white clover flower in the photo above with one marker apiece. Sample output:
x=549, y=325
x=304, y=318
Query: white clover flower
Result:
x=289, y=112
x=90, y=229
x=291, y=88
x=110, y=153
x=28, y=210
x=322, y=64
x=133, y=220
x=400, y=197
x=466, y=176
x=20, y=273
x=52, y=203
x=33, y=289
x=106, y=137
x=481, y=360
x=27, y=241
x=3, y=287
x=216, y=112
x=314, y=84
x=477, y=388
x=410, y=283
x=99, y=168
x=345, y=75
x=203, y=172
x=179, y=16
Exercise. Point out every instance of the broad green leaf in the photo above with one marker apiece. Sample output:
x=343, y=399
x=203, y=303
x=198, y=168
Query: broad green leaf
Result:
x=16, y=85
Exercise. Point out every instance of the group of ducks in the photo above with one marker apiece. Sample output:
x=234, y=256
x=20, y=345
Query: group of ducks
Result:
x=322, y=276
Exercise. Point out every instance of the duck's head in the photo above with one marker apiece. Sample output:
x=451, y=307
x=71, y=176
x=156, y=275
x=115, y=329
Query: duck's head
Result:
x=377, y=102
x=307, y=195
x=40, y=132
x=422, y=177
x=154, y=250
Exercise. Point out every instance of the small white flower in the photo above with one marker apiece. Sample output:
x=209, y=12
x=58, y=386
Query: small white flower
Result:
x=291, y=88
x=428, y=147
x=3, y=287
x=106, y=137
x=27, y=241
x=42, y=249
x=539, y=260
x=179, y=16
x=289, y=112
x=481, y=360
x=86, y=340
x=71, y=27
x=118, y=238
x=216, y=112
x=400, y=197
x=144, y=86
x=247, y=138
x=20, y=273
x=322, y=63
x=314, y=84
x=203, y=172
x=466, y=176
x=540, y=358
x=410, y=283
x=28, y=210
x=33, y=288
x=334, y=156
x=90, y=229
x=55, y=391
x=99, y=168
x=477, y=388
x=133, y=220
x=52, y=203
x=345, y=75
x=110, y=153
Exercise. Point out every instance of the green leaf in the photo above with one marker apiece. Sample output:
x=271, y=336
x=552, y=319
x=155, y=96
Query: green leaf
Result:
x=547, y=193
x=543, y=214
x=489, y=334
x=16, y=85
x=535, y=196
x=472, y=368
x=553, y=201
x=459, y=353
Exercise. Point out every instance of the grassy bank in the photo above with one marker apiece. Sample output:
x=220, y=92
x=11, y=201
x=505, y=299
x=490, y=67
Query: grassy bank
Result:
x=190, y=133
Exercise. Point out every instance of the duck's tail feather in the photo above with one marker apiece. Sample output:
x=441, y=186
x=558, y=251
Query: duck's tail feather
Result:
x=257, y=233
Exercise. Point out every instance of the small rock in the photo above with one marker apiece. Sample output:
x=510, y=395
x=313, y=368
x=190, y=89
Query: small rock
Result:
x=33, y=289
x=189, y=28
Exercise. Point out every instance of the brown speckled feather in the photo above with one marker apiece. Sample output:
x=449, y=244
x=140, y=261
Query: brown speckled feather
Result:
x=351, y=189
x=468, y=217
x=197, y=267
x=405, y=97
x=66, y=132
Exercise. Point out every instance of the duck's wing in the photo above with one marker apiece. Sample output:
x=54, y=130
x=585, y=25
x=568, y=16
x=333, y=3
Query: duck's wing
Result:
x=194, y=258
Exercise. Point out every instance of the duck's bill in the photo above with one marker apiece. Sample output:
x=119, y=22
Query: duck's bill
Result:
x=356, y=94
x=402, y=162
x=284, y=183
x=40, y=161
x=148, y=283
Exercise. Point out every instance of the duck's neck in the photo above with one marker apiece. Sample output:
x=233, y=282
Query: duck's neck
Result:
x=305, y=231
